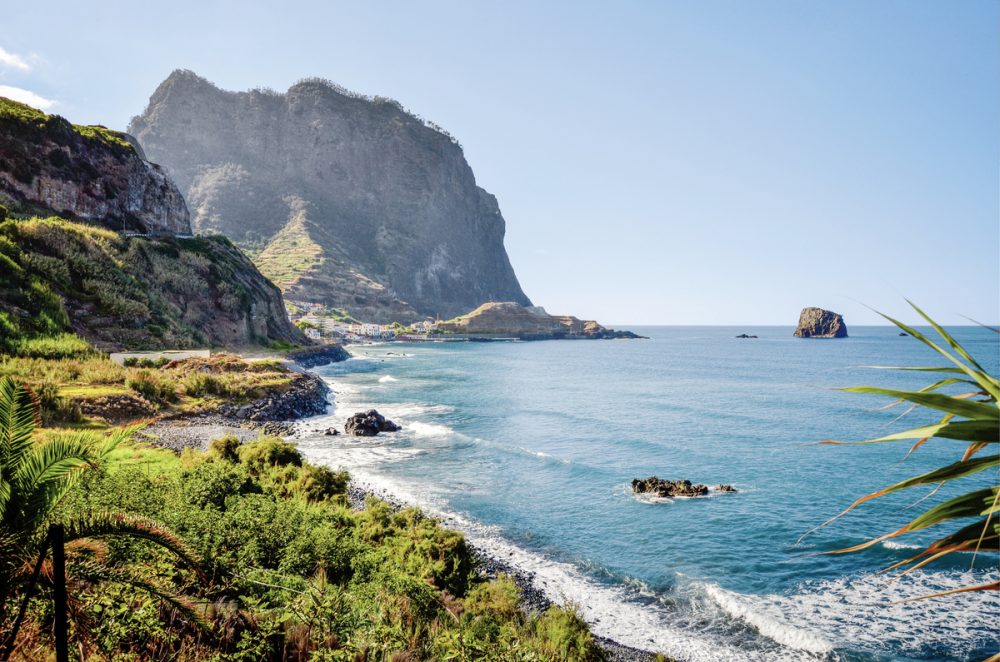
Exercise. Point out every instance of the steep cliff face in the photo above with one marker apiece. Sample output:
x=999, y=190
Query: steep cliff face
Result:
x=71, y=272
x=384, y=211
x=84, y=173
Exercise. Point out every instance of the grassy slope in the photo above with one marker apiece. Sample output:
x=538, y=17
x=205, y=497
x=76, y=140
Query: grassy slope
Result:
x=139, y=293
x=291, y=254
x=66, y=387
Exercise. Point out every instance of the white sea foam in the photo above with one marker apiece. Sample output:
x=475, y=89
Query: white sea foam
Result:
x=540, y=454
x=772, y=626
x=870, y=612
x=892, y=544
x=387, y=379
x=611, y=611
x=422, y=429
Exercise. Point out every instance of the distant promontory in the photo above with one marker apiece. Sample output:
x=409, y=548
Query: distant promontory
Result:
x=819, y=323
x=507, y=319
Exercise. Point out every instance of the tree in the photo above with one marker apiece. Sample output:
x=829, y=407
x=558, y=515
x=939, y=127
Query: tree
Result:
x=34, y=478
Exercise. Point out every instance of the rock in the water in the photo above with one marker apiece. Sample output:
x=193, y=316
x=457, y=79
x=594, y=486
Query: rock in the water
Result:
x=724, y=488
x=668, y=488
x=819, y=323
x=744, y=335
x=903, y=333
x=368, y=424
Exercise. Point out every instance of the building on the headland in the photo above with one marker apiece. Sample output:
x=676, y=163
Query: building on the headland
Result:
x=423, y=326
x=371, y=330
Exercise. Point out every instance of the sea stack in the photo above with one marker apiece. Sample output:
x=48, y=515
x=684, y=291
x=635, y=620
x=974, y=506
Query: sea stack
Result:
x=819, y=323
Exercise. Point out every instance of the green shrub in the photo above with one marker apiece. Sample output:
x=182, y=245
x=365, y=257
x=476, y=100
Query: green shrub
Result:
x=560, y=634
x=151, y=387
x=226, y=448
x=54, y=407
x=266, y=453
x=317, y=483
x=211, y=483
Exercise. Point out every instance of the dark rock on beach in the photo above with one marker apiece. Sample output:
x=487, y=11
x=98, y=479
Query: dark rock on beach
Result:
x=819, y=323
x=369, y=424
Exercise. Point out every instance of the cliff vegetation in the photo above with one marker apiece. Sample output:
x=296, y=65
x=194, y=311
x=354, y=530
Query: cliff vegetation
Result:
x=61, y=277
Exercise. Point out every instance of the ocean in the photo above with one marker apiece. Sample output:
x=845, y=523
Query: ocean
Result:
x=530, y=447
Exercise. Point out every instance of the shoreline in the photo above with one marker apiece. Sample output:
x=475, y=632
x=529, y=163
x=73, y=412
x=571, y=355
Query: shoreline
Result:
x=265, y=417
x=490, y=565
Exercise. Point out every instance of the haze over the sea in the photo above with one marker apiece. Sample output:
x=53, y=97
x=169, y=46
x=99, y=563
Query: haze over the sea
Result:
x=661, y=163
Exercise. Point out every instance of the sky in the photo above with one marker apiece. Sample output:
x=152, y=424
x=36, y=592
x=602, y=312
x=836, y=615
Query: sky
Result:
x=696, y=162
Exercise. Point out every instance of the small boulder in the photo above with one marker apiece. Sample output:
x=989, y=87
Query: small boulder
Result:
x=744, y=335
x=819, y=323
x=369, y=424
x=724, y=488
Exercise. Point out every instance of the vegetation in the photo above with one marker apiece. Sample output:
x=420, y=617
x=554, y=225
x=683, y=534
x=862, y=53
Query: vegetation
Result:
x=970, y=417
x=23, y=120
x=35, y=479
x=66, y=386
x=269, y=562
x=161, y=292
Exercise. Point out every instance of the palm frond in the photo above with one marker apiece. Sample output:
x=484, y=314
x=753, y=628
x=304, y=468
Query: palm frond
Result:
x=111, y=524
x=972, y=418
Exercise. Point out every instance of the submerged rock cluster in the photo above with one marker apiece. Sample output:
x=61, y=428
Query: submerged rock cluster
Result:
x=675, y=488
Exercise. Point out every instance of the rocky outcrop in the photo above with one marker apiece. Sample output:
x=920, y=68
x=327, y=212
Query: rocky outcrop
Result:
x=746, y=336
x=305, y=396
x=87, y=173
x=368, y=424
x=819, y=323
x=312, y=357
x=353, y=202
x=512, y=320
x=674, y=488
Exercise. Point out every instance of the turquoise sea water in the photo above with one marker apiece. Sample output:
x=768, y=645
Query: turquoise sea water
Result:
x=530, y=447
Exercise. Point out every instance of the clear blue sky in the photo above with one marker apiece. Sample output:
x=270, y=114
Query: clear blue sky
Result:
x=657, y=162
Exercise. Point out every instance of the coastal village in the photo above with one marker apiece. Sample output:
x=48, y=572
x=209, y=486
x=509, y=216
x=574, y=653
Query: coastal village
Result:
x=320, y=322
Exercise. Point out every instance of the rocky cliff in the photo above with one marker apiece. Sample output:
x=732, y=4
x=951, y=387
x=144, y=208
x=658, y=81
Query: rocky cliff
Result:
x=352, y=202
x=510, y=319
x=819, y=323
x=86, y=173
x=64, y=270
